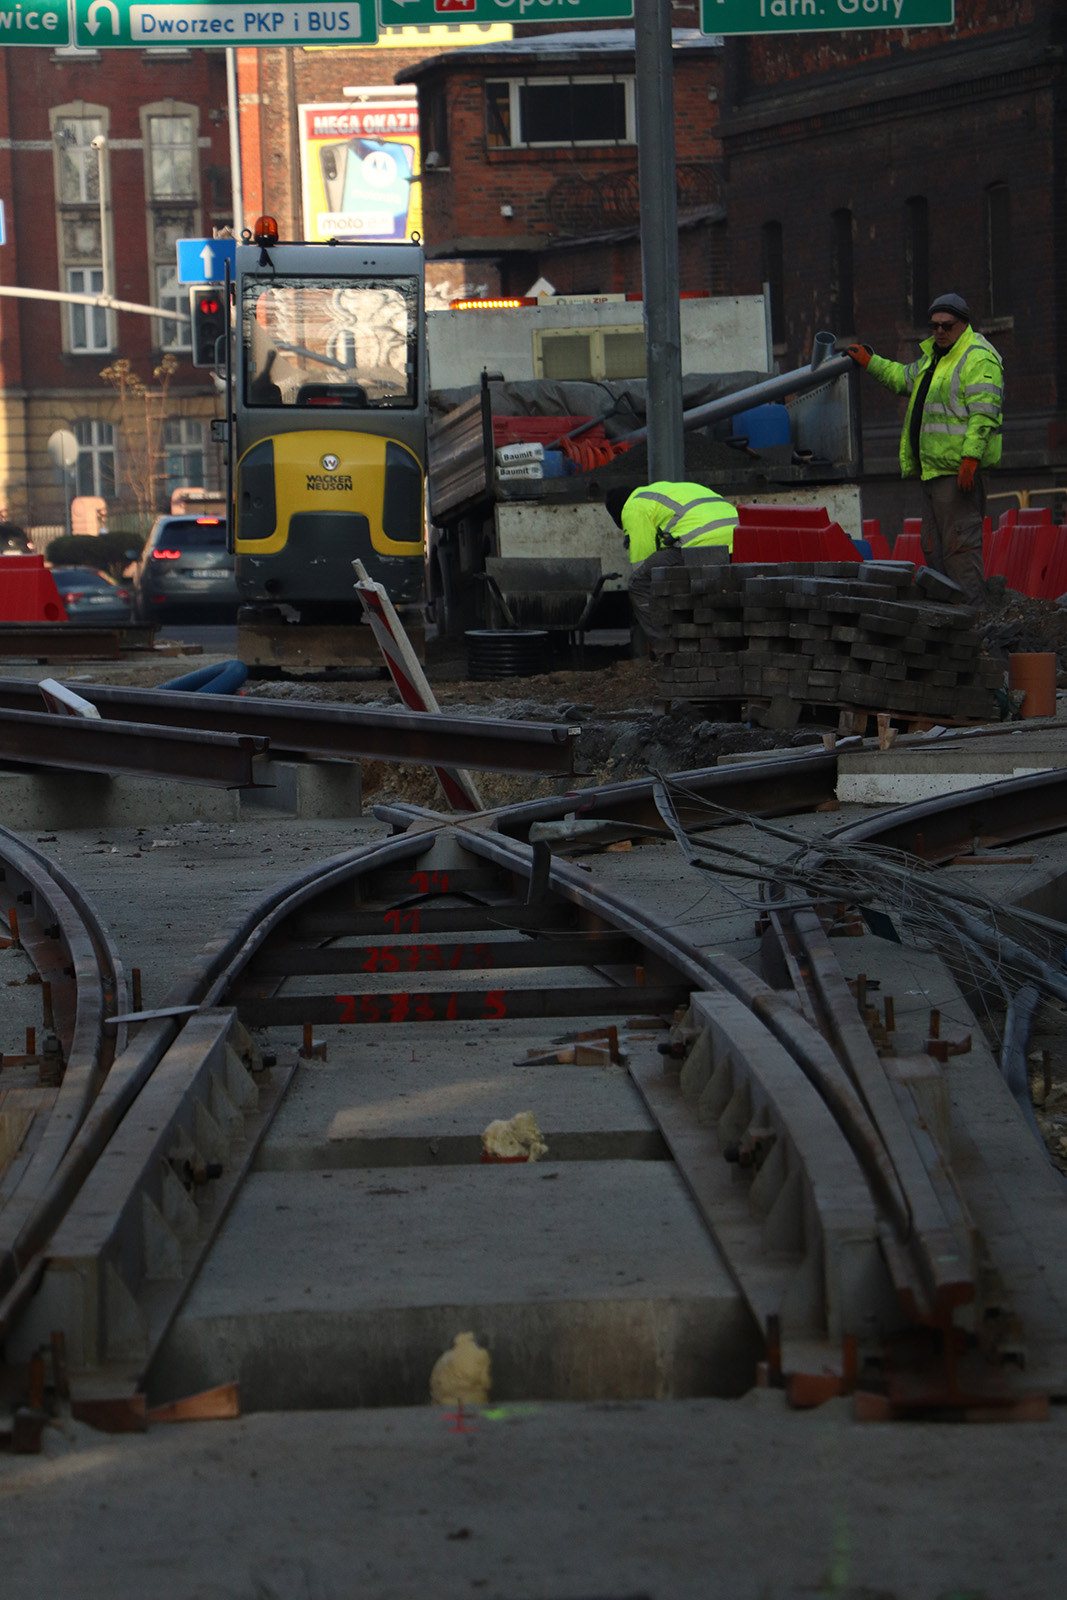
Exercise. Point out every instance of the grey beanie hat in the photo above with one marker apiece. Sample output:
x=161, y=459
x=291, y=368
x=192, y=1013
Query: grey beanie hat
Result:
x=954, y=303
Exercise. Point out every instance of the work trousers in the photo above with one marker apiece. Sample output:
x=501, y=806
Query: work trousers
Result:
x=951, y=534
x=641, y=592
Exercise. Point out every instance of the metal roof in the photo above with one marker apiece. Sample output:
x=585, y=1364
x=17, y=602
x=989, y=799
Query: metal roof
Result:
x=581, y=42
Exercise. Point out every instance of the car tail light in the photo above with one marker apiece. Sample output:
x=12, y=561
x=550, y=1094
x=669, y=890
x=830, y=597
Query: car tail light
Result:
x=165, y=555
x=122, y=594
x=75, y=594
x=211, y=522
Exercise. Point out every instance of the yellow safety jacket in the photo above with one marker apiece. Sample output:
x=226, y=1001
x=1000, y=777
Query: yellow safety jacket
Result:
x=679, y=514
x=963, y=409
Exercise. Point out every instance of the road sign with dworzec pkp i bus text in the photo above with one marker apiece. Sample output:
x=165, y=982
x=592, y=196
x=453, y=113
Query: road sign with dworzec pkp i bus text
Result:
x=184, y=24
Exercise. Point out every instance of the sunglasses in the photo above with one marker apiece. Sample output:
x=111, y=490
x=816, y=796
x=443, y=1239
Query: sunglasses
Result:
x=940, y=327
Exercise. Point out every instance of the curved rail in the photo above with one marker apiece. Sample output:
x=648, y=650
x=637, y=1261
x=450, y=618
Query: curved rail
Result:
x=73, y=952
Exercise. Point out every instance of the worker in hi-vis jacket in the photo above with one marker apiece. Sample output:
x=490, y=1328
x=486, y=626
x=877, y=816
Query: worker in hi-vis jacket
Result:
x=659, y=522
x=951, y=434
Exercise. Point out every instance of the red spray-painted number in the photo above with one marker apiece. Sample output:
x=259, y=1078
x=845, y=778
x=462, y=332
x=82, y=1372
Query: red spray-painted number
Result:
x=407, y=1007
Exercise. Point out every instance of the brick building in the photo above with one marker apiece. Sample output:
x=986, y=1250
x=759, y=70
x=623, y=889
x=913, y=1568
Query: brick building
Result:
x=166, y=163
x=867, y=172
x=275, y=84
x=530, y=159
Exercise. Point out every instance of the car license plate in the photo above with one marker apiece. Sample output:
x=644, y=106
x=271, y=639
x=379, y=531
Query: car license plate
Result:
x=203, y=572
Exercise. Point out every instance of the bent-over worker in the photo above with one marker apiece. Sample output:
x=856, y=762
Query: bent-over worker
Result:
x=659, y=522
x=951, y=433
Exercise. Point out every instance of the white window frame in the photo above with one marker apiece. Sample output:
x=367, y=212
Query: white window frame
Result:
x=85, y=210
x=95, y=337
x=169, y=292
x=182, y=114
x=97, y=447
x=163, y=329
x=184, y=447
x=515, y=110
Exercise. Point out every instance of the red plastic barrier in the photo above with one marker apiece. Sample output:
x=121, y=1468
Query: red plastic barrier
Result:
x=773, y=516
x=1034, y=517
x=1017, y=571
x=1056, y=574
x=1042, y=550
x=996, y=564
x=872, y=532
x=28, y=591
x=907, y=546
x=1008, y=518
x=913, y=525
x=542, y=430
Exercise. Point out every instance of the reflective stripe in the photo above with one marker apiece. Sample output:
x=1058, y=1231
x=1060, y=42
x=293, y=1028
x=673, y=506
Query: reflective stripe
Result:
x=709, y=527
x=958, y=428
x=981, y=409
x=662, y=500
x=984, y=388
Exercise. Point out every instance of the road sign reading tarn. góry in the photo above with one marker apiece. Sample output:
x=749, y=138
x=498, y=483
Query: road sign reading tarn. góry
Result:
x=821, y=16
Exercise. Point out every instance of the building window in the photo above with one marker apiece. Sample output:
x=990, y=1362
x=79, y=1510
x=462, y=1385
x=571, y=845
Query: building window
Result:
x=79, y=241
x=77, y=167
x=917, y=259
x=172, y=297
x=88, y=324
x=774, y=278
x=559, y=111
x=172, y=158
x=842, y=290
x=998, y=224
x=95, y=470
x=433, y=125
x=186, y=461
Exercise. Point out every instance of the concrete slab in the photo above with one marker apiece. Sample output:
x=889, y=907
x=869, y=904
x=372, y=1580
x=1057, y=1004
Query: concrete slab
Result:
x=296, y=790
x=380, y=1102
x=584, y=1281
x=921, y=769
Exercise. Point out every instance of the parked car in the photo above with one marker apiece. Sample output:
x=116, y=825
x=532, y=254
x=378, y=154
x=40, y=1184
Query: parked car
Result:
x=91, y=596
x=186, y=568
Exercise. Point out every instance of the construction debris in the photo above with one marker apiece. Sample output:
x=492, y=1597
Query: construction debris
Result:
x=840, y=634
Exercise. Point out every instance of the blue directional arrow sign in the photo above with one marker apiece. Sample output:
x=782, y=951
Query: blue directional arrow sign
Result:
x=204, y=260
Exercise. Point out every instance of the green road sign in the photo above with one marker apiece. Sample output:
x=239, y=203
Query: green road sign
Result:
x=184, y=24
x=35, y=22
x=821, y=16
x=419, y=13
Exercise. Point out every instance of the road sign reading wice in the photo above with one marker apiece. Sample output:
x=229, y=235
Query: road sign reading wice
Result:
x=419, y=13
x=184, y=24
x=204, y=260
x=35, y=22
x=821, y=16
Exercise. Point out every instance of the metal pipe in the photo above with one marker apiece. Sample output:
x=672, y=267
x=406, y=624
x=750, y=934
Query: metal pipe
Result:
x=659, y=237
x=760, y=393
x=822, y=349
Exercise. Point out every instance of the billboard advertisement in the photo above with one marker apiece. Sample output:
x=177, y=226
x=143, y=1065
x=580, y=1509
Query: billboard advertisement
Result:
x=359, y=159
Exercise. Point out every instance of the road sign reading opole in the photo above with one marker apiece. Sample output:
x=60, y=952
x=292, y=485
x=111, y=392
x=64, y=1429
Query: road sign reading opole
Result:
x=185, y=24
x=821, y=16
x=420, y=13
x=204, y=260
x=35, y=22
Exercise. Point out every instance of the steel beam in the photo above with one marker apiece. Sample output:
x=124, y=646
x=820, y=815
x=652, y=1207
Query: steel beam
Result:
x=336, y=731
x=39, y=739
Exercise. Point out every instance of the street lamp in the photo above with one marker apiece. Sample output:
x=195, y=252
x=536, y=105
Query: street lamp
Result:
x=103, y=168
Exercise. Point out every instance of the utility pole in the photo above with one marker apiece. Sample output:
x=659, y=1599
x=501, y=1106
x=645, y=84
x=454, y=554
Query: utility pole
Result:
x=659, y=238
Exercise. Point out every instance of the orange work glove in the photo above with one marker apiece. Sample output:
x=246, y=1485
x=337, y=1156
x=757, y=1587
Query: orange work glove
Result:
x=965, y=476
x=861, y=353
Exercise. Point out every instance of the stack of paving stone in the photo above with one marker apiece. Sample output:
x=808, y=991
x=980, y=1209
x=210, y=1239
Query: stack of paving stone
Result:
x=847, y=634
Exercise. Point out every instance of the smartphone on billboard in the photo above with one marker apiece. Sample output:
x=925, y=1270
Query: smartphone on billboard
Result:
x=333, y=160
x=378, y=179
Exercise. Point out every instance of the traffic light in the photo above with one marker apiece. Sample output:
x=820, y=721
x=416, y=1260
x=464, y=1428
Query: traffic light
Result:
x=209, y=324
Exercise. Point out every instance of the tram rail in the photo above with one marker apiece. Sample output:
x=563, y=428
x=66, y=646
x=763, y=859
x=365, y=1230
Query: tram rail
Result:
x=843, y=1224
